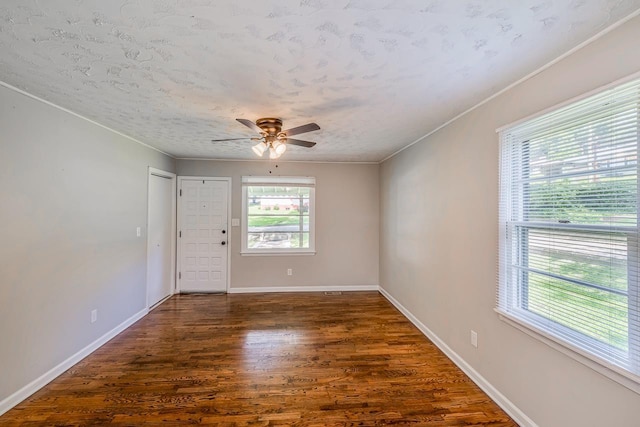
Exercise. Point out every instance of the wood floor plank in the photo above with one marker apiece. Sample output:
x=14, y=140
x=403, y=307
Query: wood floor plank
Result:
x=265, y=359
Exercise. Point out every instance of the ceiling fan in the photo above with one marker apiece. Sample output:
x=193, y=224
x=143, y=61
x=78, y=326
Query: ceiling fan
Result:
x=272, y=137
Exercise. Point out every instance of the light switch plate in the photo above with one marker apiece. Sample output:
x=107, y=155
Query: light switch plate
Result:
x=235, y=222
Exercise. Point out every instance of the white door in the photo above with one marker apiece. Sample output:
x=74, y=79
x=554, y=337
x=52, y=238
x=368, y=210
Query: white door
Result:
x=203, y=235
x=160, y=238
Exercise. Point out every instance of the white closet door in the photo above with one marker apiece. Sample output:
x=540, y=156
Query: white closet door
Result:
x=159, y=280
x=203, y=237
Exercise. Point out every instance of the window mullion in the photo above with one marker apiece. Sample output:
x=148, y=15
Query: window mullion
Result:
x=300, y=220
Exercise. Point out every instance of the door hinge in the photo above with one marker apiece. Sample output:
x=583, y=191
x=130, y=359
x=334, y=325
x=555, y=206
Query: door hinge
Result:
x=180, y=233
x=181, y=192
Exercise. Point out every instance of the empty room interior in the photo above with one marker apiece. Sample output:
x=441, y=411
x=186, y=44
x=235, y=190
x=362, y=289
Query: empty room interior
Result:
x=319, y=212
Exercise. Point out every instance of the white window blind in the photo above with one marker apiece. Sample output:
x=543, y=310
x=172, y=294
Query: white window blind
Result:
x=569, y=227
x=278, y=215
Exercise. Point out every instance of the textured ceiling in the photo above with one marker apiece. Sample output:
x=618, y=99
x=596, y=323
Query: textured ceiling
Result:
x=375, y=74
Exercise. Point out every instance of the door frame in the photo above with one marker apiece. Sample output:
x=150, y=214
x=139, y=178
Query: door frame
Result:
x=228, y=180
x=172, y=176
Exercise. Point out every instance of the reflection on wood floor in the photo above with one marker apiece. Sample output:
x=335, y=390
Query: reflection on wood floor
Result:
x=265, y=359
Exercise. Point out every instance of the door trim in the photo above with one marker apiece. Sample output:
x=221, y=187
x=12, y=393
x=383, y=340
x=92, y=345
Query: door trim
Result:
x=172, y=176
x=179, y=221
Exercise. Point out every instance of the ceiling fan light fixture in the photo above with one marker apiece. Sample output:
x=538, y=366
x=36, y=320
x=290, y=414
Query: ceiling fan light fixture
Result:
x=273, y=153
x=259, y=148
x=279, y=147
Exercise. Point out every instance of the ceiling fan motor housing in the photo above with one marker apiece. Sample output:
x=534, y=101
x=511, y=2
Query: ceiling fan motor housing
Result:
x=271, y=126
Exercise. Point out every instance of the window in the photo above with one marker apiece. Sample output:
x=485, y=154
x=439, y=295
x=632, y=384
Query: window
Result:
x=569, y=227
x=278, y=215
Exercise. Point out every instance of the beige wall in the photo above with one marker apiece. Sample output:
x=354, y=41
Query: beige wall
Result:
x=72, y=194
x=347, y=224
x=439, y=217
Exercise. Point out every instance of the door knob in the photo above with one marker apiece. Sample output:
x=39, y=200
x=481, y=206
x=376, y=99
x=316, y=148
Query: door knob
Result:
x=224, y=231
x=223, y=243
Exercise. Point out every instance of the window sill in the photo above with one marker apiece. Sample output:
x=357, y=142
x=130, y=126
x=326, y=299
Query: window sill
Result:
x=277, y=253
x=613, y=372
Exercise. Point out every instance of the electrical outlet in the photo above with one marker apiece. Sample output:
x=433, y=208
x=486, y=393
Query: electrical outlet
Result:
x=94, y=316
x=289, y=272
x=138, y=231
x=474, y=338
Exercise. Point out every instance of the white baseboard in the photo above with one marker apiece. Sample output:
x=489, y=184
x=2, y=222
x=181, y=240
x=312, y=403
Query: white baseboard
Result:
x=514, y=412
x=49, y=376
x=259, y=290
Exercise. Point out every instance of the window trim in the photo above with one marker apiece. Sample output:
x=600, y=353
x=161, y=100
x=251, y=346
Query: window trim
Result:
x=517, y=317
x=293, y=181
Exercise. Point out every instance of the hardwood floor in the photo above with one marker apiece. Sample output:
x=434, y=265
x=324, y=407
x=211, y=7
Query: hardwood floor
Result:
x=265, y=359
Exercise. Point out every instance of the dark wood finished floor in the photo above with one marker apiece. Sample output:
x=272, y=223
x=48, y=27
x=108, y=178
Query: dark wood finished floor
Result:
x=265, y=359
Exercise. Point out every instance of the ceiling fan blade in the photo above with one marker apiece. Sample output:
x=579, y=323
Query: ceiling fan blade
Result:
x=231, y=139
x=301, y=129
x=250, y=125
x=299, y=142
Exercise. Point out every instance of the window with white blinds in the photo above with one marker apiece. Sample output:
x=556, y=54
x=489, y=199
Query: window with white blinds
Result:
x=569, y=227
